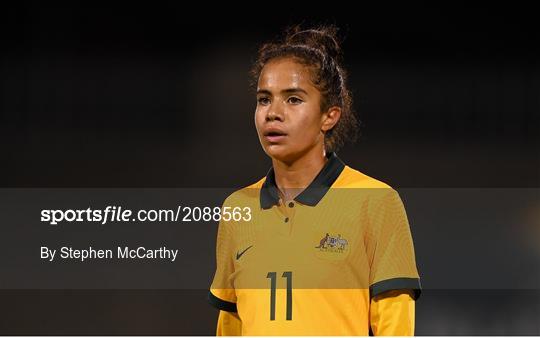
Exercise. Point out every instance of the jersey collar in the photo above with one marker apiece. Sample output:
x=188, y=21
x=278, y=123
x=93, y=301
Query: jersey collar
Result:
x=313, y=193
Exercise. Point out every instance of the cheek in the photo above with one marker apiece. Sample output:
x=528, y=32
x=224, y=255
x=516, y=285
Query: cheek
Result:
x=309, y=119
x=258, y=118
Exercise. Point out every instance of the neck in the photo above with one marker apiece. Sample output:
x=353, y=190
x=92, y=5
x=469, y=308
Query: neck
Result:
x=293, y=177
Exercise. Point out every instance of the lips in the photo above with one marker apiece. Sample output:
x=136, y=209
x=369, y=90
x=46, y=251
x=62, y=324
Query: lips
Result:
x=274, y=135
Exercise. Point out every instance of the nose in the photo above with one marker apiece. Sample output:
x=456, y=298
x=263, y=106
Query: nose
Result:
x=275, y=112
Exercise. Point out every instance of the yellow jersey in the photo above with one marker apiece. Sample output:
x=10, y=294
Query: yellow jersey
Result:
x=312, y=266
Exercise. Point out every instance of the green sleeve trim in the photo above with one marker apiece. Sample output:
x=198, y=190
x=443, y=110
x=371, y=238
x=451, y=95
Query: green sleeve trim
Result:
x=396, y=284
x=221, y=304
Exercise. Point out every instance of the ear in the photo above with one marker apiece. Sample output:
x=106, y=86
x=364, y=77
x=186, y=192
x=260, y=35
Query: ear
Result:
x=330, y=118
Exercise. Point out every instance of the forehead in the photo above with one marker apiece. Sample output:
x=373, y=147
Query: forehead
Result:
x=284, y=73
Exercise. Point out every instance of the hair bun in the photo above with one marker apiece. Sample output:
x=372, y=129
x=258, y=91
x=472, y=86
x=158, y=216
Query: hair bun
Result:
x=323, y=38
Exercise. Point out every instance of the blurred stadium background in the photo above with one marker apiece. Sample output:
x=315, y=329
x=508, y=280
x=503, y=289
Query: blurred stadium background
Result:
x=136, y=96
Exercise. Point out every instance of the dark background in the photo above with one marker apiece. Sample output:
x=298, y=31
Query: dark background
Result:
x=102, y=95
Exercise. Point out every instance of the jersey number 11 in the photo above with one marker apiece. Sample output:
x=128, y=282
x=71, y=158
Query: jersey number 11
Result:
x=272, y=276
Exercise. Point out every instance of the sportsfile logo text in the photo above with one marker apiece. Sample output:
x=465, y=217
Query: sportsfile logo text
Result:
x=120, y=214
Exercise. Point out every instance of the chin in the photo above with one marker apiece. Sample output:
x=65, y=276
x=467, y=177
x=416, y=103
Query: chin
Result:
x=280, y=152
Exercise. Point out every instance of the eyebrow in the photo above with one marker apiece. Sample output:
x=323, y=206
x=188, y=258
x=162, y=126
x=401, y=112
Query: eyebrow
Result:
x=286, y=91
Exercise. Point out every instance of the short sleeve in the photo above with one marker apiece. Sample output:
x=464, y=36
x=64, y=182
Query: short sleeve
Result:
x=390, y=247
x=222, y=294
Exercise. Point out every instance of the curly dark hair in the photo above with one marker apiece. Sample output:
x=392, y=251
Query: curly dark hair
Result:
x=318, y=49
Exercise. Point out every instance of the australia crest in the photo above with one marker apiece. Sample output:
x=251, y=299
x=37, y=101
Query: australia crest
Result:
x=334, y=243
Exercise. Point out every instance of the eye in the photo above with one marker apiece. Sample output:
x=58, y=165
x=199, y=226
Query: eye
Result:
x=294, y=100
x=263, y=100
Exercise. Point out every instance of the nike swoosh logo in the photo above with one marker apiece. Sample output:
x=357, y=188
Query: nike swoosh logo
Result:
x=238, y=255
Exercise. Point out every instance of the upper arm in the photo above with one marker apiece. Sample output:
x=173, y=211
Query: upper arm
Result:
x=229, y=324
x=222, y=294
x=390, y=246
x=392, y=313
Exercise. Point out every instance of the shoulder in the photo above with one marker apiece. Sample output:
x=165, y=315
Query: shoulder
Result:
x=352, y=178
x=361, y=187
x=248, y=194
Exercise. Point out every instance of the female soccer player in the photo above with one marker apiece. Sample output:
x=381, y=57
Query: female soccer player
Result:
x=322, y=249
